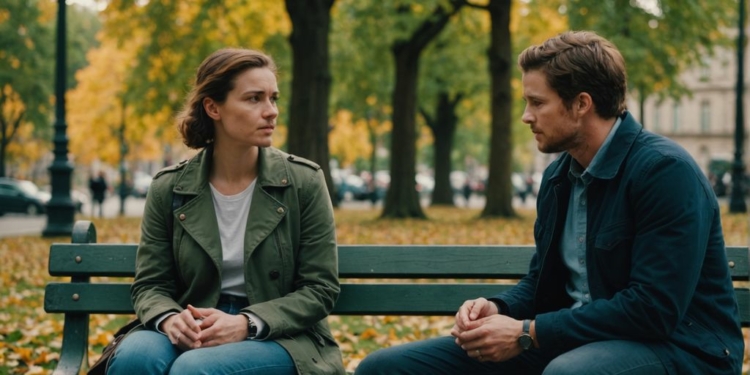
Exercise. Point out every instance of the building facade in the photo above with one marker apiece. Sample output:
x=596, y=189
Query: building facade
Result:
x=703, y=122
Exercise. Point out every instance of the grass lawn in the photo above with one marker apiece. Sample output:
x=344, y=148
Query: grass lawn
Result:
x=30, y=339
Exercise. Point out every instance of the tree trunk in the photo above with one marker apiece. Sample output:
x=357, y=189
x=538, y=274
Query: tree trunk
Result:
x=2, y=159
x=402, y=200
x=642, y=107
x=443, y=127
x=311, y=82
x=499, y=190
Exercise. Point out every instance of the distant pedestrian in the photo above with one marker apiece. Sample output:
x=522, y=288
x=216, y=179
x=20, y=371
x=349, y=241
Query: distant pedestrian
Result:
x=98, y=186
x=467, y=192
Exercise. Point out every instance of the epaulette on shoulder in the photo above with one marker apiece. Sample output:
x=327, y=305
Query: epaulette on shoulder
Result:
x=172, y=168
x=303, y=161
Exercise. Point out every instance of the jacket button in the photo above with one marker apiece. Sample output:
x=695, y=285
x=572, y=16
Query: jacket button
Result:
x=726, y=352
x=284, y=181
x=274, y=274
x=291, y=157
x=182, y=217
x=280, y=210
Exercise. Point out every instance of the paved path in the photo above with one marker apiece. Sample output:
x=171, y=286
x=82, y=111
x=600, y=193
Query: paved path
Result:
x=22, y=225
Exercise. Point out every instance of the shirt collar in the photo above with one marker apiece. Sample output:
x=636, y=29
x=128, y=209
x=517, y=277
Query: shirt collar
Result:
x=597, y=163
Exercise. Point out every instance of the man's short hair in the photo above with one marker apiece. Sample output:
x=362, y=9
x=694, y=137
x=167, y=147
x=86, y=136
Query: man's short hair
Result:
x=581, y=61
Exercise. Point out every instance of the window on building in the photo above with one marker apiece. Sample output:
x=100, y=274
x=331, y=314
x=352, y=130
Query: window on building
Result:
x=705, y=116
x=705, y=70
x=656, y=116
x=676, y=109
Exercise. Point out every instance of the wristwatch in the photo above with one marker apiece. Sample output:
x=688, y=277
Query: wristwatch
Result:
x=525, y=340
x=252, y=329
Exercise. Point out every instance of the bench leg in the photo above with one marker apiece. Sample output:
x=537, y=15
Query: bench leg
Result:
x=74, y=349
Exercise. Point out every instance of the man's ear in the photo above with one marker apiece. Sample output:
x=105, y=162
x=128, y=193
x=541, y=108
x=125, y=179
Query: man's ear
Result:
x=212, y=110
x=583, y=104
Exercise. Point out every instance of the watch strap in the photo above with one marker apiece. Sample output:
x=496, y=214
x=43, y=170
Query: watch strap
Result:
x=252, y=328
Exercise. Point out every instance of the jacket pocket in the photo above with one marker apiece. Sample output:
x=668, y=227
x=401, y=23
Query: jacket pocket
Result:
x=702, y=342
x=613, y=247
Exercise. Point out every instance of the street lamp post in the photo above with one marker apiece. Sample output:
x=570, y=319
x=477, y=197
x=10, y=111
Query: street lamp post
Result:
x=60, y=208
x=123, y=190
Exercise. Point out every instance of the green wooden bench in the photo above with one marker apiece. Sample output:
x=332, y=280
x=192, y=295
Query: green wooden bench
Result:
x=458, y=272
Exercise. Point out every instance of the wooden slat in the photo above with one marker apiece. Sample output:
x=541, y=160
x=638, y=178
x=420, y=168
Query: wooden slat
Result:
x=738, y=263
x=355, y=299
x=108, y=298
x=743, y=301
x=409, y=299
x=355, y=261
x=92, y=260
x=400, y=261
x=434, y=261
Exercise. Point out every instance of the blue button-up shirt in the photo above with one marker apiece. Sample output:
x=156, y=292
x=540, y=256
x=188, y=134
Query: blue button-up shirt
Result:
x=574, y=233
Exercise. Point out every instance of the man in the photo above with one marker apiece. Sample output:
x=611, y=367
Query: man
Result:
x=630, y=274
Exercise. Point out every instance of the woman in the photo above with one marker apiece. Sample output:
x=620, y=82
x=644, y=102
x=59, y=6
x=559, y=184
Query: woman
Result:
x=243, y=279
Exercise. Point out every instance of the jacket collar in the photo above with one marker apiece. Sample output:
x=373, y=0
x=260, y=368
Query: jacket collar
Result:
x=613, y=156
x=272, y=171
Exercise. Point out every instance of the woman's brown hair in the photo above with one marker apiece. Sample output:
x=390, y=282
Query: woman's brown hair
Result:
x=215, y=79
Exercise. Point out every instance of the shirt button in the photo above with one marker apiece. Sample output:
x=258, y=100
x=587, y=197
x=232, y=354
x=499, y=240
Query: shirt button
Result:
x=581, y=261
x=284, y=181
x=280, y=210
x=182, y=217
x=583, y=202
x=274, y=274
x=580, y=239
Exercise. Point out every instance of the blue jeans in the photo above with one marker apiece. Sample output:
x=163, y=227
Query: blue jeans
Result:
x=150, y=352
x=443, y=356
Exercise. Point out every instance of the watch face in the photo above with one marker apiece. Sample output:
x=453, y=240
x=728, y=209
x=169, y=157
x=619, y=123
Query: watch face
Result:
x=525, y=341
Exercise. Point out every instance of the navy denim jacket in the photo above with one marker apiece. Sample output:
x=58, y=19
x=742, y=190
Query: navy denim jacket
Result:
x=655, y=258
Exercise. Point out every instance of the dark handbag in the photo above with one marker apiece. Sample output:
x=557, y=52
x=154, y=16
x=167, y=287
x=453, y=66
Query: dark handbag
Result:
x=102, y=364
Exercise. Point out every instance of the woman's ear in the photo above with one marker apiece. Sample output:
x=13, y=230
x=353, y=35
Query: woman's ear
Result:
x=211, y=108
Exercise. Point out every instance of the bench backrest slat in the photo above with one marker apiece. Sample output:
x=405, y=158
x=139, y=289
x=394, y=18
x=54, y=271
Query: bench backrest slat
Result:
x=92, y=259
x=355, y=261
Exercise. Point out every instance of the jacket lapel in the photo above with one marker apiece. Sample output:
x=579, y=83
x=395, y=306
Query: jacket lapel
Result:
x=265, y=210
x=199, y=219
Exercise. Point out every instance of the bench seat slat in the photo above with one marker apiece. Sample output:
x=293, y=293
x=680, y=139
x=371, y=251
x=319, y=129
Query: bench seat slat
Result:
x=355, y=299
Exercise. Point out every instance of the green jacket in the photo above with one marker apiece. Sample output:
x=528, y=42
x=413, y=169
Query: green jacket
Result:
x=291, y=264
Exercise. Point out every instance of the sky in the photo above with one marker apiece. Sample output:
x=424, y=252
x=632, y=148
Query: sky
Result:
x=93, y=4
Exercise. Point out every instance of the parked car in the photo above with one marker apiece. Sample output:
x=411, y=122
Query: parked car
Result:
x=141, y=182
x=21, y=196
